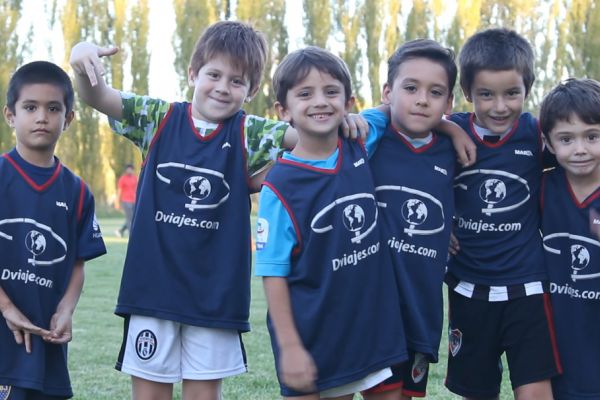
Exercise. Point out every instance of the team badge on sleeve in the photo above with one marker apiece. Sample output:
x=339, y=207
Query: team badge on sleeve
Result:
x=262, y=233
x=145, y=344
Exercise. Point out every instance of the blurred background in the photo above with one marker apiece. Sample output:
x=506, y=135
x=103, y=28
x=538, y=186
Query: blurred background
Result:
x=156, y=38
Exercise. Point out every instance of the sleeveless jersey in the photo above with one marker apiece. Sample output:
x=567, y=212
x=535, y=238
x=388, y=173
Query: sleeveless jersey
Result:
x=414, y=191
x=497, y=208
x=192, y=207
x=573, y=260
x=44, y=229
x=342, y=287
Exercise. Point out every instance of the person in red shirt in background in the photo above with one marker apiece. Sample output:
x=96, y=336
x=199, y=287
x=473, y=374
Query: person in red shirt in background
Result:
x=126, y=187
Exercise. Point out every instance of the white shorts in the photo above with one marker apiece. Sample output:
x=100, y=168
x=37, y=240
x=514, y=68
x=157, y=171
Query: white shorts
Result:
x=166, y=351
x=365, y=383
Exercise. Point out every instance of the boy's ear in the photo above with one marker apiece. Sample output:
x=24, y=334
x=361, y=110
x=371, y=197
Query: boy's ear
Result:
x=68, y=119
x=548, y=144
x=385, y=95
x=9, y=116
x=350, y=103
x=450, y=104
x=282, y=112
x=251, y=95
x=191, y=76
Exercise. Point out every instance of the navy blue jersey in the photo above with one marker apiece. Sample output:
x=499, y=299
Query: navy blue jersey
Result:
x=497, y=208
x=414, y=191
x=342, y=287
x=573, y=260
x=47, y=223
x=193, y=207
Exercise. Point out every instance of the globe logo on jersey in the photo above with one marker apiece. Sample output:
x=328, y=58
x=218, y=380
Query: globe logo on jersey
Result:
x=198, y=184
x=414, y=212
x=580, y=257
x=492, y=191
x=354, y=217
x=35, y=243
x=197, y=188
x=358, y=213
x=495, y=189
x=558, y=243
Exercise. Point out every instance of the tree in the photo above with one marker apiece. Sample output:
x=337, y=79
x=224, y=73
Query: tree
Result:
x=317, y=21
x=372, y=17
x=348, y=17
x=267, y=16
x=416, y=23
x=191, y=18
x=10, y=12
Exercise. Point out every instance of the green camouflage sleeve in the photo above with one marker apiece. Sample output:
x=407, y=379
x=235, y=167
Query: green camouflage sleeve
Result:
x=142, y=116
x=264, y=138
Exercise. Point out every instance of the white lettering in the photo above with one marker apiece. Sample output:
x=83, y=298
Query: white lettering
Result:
x=439, y=169
x=524, y=153
x=184, y=220
x=354, y=257
x=359, y=162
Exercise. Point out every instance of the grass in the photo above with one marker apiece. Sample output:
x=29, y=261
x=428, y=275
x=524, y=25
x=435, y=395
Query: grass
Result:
x=97, y=335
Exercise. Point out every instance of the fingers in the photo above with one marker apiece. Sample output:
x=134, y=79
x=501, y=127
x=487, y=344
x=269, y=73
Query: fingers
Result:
x=345, y=128
x=27, y=337
x=453, y=246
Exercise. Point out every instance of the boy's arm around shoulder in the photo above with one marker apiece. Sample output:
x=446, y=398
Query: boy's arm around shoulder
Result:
x=296, y=366
x=61, y=321
x=89, y=79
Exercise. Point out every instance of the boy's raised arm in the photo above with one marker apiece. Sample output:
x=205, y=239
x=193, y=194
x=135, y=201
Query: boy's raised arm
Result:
x=89, y=79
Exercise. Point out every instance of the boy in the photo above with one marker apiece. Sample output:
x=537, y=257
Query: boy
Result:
x=185, y=289
x=413, y=169
x=47, y=230
x=126, y=187
x=570, y=120
x=498, y=288
x=330, y=290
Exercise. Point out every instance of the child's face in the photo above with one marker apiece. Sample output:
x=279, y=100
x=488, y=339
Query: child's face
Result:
x=316, y=105
x=40, y=117
x=220, y=89
x=418, y=97
x=497, y=98
x=577, y=147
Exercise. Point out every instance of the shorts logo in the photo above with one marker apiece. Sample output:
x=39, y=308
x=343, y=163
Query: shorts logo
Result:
x=419, y=368
x=145, y=344
x=454, y=341
x=4, y=392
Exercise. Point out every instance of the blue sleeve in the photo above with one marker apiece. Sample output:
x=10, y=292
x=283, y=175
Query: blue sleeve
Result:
x=378, y=122
x=89, y=241
x=275, y=236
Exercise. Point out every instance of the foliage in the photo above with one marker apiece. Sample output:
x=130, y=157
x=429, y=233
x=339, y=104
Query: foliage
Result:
x=565, y=35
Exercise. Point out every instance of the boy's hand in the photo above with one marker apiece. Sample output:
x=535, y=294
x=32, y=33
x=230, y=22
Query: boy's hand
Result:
x=297, y=369
x=85, y=60
x=21, y=327
x=466, y=150
x=60, y=328
x=453, y=246
x=354, y=126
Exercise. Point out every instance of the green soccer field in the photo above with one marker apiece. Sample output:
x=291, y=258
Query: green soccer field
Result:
x=97, y=334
